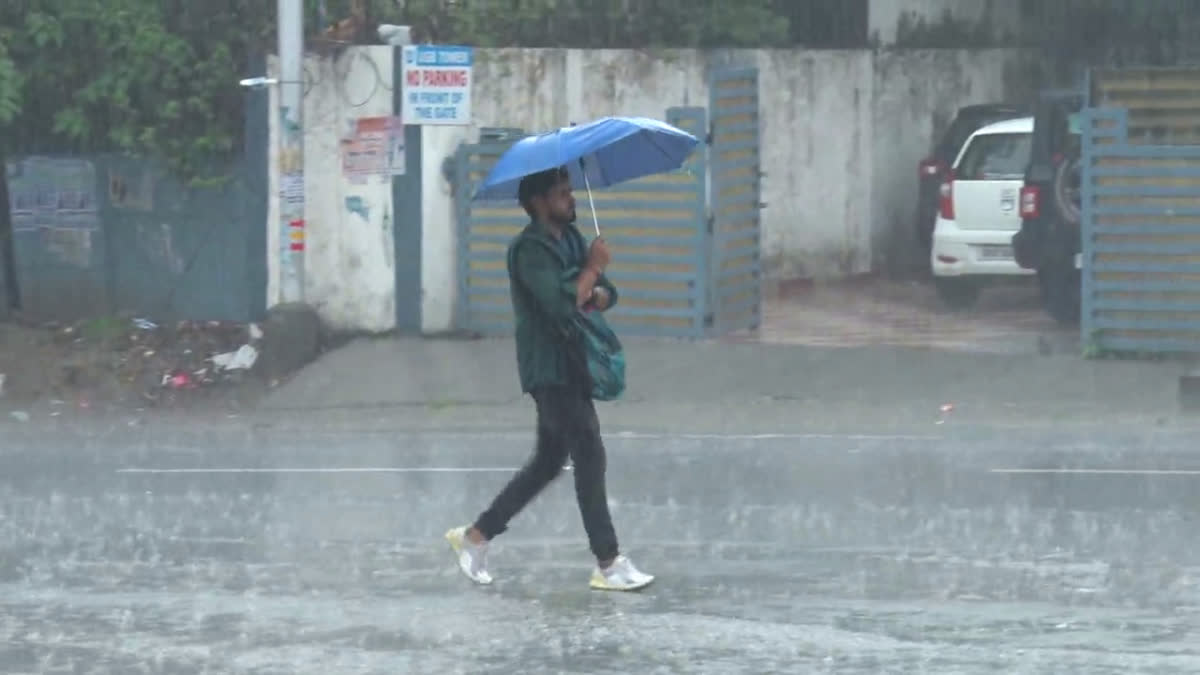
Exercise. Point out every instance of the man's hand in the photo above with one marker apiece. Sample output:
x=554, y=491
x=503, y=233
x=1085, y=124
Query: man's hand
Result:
x=585, y=290
x=598, y=255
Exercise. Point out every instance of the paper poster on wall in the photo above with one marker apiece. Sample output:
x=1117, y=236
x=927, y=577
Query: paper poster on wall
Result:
x=292, y=189
x=375, y=148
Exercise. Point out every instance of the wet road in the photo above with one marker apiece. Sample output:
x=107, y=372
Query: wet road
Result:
x=260, y=553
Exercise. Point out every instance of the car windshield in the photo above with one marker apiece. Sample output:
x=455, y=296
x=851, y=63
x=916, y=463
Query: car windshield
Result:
x=995, y=157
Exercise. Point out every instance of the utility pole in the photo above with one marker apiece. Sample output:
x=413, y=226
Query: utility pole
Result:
x=290, y=17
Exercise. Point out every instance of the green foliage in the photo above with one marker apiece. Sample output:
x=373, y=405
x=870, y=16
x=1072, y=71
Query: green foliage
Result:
x=1086, y=31
x=947, y=31
x=11, y=83
x=153, y=78
x=158, y=78
x=1159, y=33
x=593, y=23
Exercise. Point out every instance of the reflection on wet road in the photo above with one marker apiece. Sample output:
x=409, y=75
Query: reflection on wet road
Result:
x=789, y=555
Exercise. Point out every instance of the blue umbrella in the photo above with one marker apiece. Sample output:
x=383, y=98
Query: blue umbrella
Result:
x=605, y=152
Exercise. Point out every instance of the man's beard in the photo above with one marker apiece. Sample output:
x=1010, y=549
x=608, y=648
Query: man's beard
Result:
x=568, y=219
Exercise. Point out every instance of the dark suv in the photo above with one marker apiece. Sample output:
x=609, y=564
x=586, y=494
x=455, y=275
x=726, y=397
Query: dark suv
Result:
x=1049, y=238
x=933, y=169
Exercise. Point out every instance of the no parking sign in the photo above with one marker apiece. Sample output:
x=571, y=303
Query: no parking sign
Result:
x=437, y=84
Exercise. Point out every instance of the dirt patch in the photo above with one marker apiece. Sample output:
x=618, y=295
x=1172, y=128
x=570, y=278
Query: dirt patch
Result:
x=123, y=362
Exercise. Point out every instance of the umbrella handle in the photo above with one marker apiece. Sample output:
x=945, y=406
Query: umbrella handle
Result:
x=588, y=184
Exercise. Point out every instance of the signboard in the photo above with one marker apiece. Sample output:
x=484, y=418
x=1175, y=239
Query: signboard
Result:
x=437, y=85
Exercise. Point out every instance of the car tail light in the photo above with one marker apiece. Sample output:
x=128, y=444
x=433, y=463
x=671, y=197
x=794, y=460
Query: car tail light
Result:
x=946, y=205
x=1031, y=202
x=930, y=167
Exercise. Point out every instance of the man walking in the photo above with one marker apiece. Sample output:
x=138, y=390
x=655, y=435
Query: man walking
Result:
x=552, y=368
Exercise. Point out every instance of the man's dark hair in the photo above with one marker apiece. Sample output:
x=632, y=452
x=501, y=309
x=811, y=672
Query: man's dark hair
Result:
x=537, y=184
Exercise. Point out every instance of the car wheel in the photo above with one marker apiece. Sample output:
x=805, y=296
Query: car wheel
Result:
x=1061, y=294
x=957, y=294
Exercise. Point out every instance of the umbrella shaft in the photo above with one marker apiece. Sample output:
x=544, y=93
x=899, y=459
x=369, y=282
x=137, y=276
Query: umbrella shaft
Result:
x=588, y=184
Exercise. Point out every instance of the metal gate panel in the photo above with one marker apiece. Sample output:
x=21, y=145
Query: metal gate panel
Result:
x=1162, y=104
x=655, y=226
x=1141, y=239
x=484, y=232
x=734, y=155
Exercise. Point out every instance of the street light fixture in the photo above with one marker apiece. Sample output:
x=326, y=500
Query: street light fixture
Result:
x=258, y=82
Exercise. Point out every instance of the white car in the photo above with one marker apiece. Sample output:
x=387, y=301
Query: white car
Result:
x=980, y=212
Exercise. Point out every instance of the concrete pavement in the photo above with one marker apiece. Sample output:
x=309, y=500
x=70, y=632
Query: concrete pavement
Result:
x=743, y=388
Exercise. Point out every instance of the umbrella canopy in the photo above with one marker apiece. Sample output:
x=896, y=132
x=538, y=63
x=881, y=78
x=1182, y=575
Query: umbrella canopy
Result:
x=613, y=150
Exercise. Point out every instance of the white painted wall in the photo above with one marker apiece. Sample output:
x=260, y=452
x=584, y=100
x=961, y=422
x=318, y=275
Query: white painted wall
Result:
x=843, y=132
x=439, y=258
x=816, y=131
x=349, y=268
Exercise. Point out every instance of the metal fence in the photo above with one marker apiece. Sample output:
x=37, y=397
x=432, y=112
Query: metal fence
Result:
x=1140, y=200
x=96, y=235
x=5, y=300
x=736, y=273
x=484, y=231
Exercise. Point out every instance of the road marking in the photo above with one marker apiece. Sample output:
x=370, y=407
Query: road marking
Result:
x=1103, y=472
x=774, y=437
x=331, y=469
x=646, y=436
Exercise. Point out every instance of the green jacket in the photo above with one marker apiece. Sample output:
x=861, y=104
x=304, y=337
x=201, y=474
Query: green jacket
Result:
x=542, y=285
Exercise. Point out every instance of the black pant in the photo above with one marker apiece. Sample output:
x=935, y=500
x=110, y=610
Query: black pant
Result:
x=566, y=426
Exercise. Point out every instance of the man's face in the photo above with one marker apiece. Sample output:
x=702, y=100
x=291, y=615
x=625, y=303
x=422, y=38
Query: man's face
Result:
x=559, y=203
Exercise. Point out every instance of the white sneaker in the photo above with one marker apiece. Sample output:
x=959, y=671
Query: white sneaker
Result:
x=472, y=558
x=620, y=576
